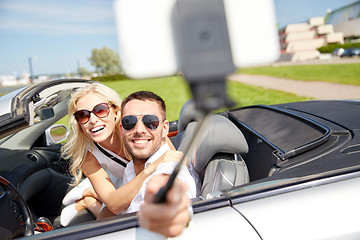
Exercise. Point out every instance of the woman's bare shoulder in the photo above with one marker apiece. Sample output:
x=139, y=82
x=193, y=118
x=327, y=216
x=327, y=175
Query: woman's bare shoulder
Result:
x=90, y=164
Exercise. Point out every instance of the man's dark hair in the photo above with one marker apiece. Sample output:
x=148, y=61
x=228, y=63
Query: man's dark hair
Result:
x=143, y=96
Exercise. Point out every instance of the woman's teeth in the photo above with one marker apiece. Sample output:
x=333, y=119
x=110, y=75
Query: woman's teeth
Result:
x=94, y=130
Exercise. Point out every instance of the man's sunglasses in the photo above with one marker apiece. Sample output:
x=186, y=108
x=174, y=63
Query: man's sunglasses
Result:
x=101, y=110
x=150, y=121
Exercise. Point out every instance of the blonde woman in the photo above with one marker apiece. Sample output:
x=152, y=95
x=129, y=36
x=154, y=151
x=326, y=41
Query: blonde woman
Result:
x=96, y=150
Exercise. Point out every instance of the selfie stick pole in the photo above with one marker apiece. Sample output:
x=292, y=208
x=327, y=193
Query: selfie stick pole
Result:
x=206, y=60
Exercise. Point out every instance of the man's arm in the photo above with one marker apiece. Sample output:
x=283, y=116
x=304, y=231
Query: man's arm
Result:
x=169, y=218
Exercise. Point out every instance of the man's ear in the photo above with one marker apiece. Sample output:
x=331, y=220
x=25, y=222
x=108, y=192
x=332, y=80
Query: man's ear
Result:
x=166, y=128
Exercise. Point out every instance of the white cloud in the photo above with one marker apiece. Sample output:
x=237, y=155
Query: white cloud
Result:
x=59, y=28
x=57, y=17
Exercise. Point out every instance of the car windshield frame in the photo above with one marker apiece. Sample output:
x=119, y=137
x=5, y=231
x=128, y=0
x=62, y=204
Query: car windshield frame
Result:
x=25, y=102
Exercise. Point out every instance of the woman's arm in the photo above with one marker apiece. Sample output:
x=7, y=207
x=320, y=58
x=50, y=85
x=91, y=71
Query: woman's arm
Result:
x=119, y=199
x=115, y=199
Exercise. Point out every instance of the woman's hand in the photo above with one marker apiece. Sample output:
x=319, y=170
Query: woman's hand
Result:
x=169, y=218
x=169, y=156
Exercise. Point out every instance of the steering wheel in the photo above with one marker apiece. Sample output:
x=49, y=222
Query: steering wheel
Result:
x=16, y=219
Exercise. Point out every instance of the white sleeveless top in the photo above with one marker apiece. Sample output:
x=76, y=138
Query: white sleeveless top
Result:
x=112, y=168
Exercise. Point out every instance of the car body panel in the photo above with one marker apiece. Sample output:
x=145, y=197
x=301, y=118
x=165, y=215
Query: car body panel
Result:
x=329, y=109
x=219, y=224
x=205, y=225
x=318, y=212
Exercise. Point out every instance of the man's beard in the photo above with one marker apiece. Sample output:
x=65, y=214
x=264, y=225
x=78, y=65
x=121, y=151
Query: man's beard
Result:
x=139, y=158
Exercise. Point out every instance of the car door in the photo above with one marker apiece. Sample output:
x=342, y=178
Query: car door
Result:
x=319, y=209
x=213, y=219
x=219, y=223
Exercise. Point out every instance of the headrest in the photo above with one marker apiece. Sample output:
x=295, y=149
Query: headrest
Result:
x=188, y=114
x=221, y=136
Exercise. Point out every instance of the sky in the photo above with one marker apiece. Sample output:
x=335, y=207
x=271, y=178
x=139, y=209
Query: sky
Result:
x=58, y=35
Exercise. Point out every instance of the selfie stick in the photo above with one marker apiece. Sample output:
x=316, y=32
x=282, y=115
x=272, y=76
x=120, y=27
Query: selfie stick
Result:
x=206, y=60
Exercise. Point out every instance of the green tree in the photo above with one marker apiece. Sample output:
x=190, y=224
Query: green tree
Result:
x=105, y=60
x=83, y=71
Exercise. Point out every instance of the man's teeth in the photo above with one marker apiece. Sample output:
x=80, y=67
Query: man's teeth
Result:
x=140, y=141
x=97, y=129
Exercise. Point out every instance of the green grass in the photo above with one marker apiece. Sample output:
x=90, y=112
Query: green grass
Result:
x=174, y=90
x=336, y=73
x=245, y=95
x=64, y=120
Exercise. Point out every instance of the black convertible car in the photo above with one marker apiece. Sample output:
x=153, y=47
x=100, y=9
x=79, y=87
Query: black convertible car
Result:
x=286, y=171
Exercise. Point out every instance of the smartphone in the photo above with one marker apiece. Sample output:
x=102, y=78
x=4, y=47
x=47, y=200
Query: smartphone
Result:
x=147, y=39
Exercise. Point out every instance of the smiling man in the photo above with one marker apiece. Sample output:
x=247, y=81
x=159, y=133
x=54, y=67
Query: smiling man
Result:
x=144, y=130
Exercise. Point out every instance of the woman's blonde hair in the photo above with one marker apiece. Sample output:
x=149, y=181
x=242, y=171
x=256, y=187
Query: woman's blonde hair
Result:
x=78, y=144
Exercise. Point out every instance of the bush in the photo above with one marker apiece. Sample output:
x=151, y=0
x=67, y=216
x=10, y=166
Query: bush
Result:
x=331, y=47
x=108, y=78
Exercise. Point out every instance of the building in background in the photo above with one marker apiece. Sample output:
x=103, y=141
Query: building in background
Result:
x=300, y=41
x=346, y=20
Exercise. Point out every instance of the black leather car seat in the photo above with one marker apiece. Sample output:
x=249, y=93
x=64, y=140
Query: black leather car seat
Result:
x=217, y=160
x=187, y=115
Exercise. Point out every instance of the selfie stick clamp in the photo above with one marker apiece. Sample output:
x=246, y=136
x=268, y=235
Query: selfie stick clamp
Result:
x=206, y=60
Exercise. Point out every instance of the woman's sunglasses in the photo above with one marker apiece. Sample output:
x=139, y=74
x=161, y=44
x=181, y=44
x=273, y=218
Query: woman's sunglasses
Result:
x=101, y=110
x=150, y=121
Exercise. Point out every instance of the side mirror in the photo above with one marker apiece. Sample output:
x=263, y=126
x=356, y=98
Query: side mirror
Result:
x=56, y=134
